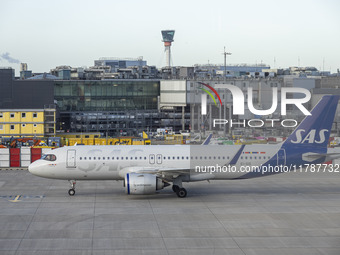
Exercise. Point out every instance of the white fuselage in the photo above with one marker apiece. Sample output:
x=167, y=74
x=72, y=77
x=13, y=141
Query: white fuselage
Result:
x=113, y=162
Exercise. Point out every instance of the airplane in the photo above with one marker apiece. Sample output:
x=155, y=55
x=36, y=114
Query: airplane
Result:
x=146, y=169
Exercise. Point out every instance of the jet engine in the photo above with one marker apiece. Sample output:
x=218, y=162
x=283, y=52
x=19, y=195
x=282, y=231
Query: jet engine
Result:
x=143, y=183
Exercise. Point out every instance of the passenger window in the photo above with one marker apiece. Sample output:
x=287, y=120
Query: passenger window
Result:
x=89, y=158
x=98, y=158
x=182, y=157
x=94, y=158
x=136, y=158
x=80, y=158
x=84, y=158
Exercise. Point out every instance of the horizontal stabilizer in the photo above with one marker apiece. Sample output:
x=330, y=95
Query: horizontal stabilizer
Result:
x=310, y=157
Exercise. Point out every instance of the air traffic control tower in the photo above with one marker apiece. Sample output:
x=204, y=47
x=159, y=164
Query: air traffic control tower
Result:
x=168, y=38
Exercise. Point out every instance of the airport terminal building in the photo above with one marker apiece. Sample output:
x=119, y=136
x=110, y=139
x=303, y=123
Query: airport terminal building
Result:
x=112, y=107
x=116, y=107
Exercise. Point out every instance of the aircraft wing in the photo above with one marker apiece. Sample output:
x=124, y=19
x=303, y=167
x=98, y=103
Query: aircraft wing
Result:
x=164, y=173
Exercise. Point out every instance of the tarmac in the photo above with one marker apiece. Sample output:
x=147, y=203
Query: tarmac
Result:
x=294, y=213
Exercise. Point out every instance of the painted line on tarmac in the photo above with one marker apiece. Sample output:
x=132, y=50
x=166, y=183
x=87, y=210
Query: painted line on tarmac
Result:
x=19, y=198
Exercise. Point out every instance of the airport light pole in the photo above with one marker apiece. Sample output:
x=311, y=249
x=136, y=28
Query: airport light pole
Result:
x=225, y=63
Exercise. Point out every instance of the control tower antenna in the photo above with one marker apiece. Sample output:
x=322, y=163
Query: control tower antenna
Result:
x=168, y=38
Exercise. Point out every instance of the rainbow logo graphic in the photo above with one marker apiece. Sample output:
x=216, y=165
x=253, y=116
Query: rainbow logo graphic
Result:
x=204, y=98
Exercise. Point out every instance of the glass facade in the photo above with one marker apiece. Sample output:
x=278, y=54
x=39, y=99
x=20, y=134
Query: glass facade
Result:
x=106, y=95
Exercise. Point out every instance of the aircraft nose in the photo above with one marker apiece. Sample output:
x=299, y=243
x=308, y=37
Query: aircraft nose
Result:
x=32, y=167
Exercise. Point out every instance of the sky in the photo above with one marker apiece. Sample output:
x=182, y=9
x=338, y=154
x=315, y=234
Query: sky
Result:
x=45, y=34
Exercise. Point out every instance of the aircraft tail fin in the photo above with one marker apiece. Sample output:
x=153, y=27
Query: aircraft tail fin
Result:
x=315, y=129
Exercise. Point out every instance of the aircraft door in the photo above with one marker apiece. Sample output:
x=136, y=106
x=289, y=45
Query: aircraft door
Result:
x=159, y=158
x=71, y=159
x=281, y=157
x=152, y=158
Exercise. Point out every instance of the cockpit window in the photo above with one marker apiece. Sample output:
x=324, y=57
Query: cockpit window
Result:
x=49, y=157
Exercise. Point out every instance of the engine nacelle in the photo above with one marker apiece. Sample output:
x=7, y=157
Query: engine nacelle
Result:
x=142, y=183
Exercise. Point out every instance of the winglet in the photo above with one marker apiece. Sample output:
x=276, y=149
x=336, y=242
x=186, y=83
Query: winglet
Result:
x=207, y=140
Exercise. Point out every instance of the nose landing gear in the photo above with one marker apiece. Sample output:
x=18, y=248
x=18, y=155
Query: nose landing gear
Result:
x=72, y=191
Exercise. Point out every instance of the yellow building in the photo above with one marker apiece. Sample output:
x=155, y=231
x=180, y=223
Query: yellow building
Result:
x=27, y=122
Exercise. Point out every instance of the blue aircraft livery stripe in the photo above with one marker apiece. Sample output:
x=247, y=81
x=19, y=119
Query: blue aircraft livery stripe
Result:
x=237, y=155
x=128, y=183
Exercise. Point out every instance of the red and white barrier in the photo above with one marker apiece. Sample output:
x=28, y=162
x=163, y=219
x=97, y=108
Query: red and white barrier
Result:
x=14, y=157
x=25, y=157
x=20, y=157
x=4, y=157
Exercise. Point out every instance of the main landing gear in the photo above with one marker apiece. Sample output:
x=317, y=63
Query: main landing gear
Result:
x=181, y=192
x=178, y=188
x=72, y=191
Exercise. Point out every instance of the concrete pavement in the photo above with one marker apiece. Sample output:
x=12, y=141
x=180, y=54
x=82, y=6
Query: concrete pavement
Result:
x=295, y=213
